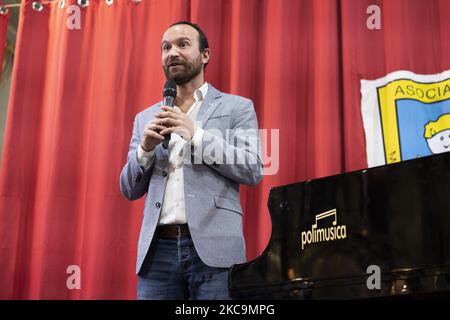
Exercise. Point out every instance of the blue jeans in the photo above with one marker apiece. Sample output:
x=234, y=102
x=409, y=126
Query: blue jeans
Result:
x=172, y=269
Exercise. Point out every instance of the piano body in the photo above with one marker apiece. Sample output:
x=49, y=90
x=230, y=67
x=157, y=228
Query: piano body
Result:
x=380, y=232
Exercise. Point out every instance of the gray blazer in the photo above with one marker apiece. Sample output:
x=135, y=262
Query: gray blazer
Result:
x=211, y=184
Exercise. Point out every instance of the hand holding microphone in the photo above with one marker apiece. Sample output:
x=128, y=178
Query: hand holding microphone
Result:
x=151, y=136
x=172, y=119
x=169, y=95
x=168, y=121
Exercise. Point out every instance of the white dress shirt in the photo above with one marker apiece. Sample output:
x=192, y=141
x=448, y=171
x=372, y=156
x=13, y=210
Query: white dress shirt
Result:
x=173, y=206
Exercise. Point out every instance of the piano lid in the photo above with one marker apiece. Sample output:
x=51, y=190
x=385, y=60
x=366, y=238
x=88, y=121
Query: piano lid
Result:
x=329, y=235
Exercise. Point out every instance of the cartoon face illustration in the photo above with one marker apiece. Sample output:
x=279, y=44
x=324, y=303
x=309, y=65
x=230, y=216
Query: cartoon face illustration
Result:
x=440, y=142
x=437, y=134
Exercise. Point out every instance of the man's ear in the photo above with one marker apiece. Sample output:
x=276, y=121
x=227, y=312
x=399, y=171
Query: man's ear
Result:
x=206, y=55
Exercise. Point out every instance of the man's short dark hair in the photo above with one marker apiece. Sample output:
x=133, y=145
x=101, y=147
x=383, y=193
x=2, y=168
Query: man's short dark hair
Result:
x=203, y=41
x=201, y=35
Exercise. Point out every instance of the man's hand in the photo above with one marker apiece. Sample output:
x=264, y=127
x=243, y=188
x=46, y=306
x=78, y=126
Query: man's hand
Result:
x=151, y=136
x=175, y=121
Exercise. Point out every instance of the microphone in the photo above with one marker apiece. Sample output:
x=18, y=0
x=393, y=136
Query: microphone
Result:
x=169, y=95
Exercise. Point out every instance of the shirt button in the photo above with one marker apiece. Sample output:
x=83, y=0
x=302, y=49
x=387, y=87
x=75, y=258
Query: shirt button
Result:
x=164, y=174
x=158, y=205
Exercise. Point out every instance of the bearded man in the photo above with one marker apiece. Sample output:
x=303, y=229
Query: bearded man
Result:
x=192, y=222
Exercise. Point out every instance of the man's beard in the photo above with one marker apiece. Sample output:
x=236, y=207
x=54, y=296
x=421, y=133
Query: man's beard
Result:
x=191, y=70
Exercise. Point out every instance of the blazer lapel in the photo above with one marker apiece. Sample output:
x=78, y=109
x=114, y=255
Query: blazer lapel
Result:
x=209, y=105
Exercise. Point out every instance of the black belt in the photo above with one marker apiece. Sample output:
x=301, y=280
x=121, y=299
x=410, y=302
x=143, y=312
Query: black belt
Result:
x=172, y=231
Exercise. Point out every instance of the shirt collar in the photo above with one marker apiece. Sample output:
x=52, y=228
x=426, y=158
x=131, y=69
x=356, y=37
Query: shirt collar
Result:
x=201, y=92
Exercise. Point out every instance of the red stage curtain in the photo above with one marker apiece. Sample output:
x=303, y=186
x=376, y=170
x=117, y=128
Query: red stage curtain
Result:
x=75, y=93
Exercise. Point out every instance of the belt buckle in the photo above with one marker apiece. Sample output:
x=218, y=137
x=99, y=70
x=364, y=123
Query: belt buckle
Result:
x=179, y=231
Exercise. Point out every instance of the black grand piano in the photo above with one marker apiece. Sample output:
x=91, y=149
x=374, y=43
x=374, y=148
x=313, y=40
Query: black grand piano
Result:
x=380, y=232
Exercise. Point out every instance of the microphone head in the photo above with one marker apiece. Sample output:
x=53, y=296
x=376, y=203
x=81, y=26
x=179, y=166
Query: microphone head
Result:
x=170, y=89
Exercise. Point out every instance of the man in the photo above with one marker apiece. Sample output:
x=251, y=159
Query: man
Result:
x=192, y=226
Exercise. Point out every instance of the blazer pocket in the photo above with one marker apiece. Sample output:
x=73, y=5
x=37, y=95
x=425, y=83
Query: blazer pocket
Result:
x=218, y=115
x=218, y=121
x=228, y=204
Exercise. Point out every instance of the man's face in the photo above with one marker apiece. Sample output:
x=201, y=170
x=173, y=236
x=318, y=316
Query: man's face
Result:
x=181, y=57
